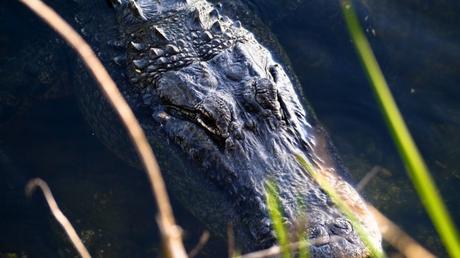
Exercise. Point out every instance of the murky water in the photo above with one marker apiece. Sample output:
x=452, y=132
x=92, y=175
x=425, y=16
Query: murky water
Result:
x=416, y=42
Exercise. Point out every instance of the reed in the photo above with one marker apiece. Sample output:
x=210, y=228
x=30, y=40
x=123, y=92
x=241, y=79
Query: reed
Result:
x=413, y=162
x=273, y=204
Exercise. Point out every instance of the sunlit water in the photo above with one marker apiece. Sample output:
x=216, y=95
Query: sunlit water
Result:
x=416, y=42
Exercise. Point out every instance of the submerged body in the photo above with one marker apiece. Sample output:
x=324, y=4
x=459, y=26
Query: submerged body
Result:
x=225, y=119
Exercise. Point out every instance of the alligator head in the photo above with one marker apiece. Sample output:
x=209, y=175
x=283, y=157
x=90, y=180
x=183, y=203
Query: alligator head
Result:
x=219, y=95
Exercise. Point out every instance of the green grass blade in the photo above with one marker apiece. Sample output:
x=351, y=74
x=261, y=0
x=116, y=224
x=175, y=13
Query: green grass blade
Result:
x=302, y=235
x=362, y=233
x=303, y=247
x=277, y=219
x=407, y=149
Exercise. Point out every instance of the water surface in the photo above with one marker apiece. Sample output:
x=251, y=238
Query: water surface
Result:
x=416, y=42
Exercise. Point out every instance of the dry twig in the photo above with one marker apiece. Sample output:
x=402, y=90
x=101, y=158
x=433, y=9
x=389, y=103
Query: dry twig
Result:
x=230, y=240
x=170, y=232
x=399, y=239
x=369, y=176
x=57, y=213
x=201, y=243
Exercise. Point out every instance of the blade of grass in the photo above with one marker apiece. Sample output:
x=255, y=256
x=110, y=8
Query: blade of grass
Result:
x=277, y=220
x=303, y=247
x=418, y=172
x=302, y=235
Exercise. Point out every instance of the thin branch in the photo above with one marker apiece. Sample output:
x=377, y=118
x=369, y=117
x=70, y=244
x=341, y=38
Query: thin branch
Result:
x=201, y=243
x=397, y=238
x=171, y=233
x=369, y=176
x=57, y=213
x=230, y=240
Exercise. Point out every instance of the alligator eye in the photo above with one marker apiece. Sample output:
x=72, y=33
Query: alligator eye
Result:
x=215, y=115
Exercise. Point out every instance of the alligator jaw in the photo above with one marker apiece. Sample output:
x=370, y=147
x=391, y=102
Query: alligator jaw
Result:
x=219, y=95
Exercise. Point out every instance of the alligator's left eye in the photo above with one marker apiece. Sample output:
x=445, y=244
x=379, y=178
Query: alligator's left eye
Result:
x=215, y=115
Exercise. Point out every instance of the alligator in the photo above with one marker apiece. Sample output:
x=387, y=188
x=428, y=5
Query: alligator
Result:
x=225, y=116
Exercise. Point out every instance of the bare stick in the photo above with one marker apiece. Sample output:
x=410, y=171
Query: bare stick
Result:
x=170, y=233
x=231, y=240
x=399, y=239
x=201, y=243
x=369, y=176
x=57, y=213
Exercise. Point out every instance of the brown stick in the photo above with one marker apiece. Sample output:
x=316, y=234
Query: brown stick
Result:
x=170, y=232
x=399, y=239
x=201, y=243
x=230, y=240
x=57, y=213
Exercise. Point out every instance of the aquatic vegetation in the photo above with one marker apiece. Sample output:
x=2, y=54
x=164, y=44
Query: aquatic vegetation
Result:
x=415, y=165
x=277, y=220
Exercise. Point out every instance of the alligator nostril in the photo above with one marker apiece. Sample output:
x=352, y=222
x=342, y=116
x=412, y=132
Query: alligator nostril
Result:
x=341, y=226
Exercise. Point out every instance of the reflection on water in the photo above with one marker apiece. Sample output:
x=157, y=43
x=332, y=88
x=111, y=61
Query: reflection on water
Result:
x=416, y=42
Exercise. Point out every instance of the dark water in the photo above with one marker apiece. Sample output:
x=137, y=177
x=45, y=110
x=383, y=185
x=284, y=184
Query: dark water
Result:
x=416, y=42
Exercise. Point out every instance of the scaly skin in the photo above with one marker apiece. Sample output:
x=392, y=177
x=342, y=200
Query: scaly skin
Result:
x=224, y=118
